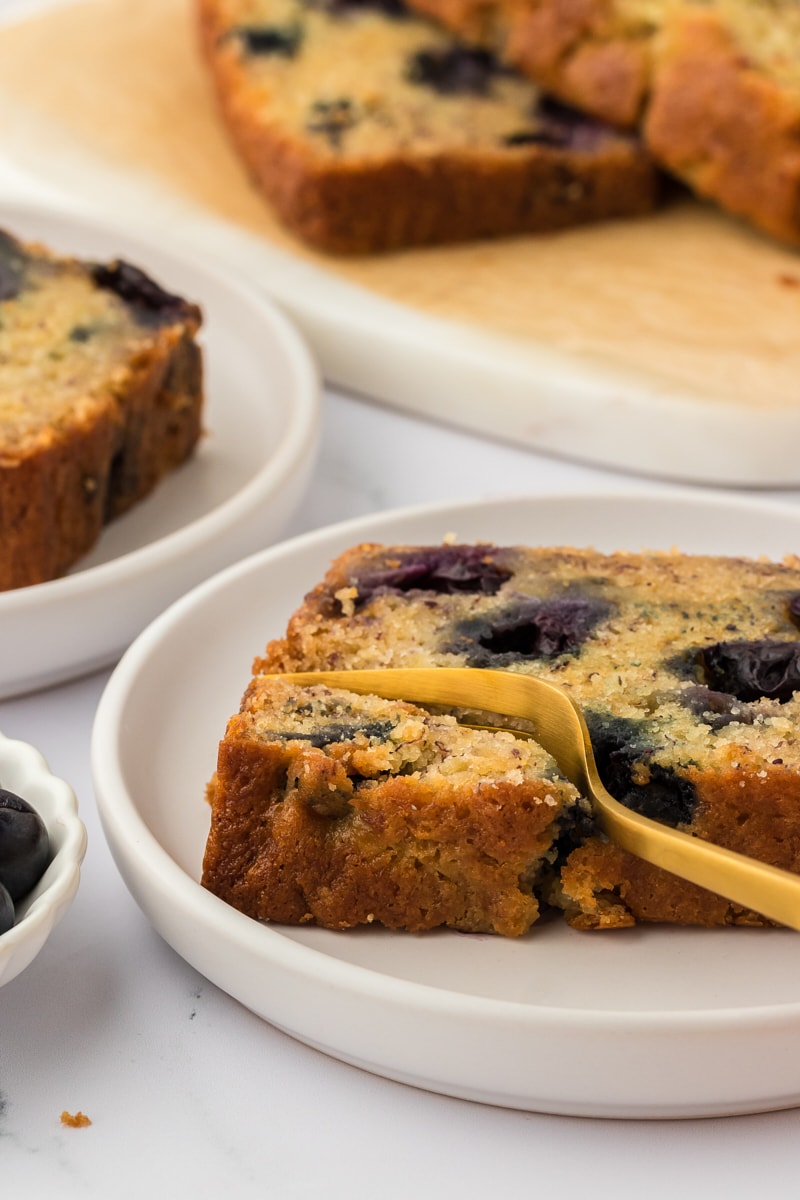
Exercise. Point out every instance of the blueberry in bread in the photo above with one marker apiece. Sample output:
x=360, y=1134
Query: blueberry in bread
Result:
x=100, y=395
x=713, y=84
x=368, y=130
x=687, y=669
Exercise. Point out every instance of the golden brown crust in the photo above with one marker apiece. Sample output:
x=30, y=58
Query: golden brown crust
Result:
x=709, y=112
x=721, y=125
x=358, y=207
x=161, y=416
x=575, y=49
x=54, y=503
x=604, y=887
x=293, y=839
x=55, y=497
x=448, y=199
x=752, y=811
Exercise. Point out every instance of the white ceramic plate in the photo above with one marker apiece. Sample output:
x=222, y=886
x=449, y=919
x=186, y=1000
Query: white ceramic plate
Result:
x=231, y=499
x=24, y=771
x=649, y=1022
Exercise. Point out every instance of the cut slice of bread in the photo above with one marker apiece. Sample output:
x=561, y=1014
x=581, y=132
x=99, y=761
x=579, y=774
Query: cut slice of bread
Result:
x=368, y=129
x=345, y=810
x=687, y=669
x=100, y=395
x=713, y=84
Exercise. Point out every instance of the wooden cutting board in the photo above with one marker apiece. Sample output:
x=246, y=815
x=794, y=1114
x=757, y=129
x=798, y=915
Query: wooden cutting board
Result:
x=668, y=345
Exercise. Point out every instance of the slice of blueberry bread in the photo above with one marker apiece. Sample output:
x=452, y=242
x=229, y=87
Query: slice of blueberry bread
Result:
x=368, y=129
x=344, y=810
x=713, y=84
x=687, y=670
x=100, y=395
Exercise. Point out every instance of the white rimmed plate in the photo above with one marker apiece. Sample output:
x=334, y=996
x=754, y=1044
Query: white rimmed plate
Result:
x=25, y=772
x=649, y=1022
x=232, y=498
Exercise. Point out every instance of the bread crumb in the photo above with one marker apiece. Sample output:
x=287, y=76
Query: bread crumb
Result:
x=76, y=1120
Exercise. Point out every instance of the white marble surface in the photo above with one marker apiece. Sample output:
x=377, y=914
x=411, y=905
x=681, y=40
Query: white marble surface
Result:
x=189, y=1094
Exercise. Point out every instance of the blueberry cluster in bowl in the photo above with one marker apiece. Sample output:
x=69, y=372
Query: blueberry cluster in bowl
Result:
x=24, y=853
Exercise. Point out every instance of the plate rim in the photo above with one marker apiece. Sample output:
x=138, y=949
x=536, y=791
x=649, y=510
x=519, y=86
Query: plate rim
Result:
x=302, y=425
x=309, y=961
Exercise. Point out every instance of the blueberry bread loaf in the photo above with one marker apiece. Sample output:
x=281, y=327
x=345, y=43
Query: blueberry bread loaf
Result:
x=687, y=670
x=367, y=130
x=344, y=810
x=714, y=84
x=100, y=396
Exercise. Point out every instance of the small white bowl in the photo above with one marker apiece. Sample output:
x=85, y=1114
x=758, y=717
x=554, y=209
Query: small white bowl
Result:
x=25, y=772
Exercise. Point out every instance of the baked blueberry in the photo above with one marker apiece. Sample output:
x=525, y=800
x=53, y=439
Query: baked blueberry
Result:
x=561, y=127
x=529, y=629
x=623, y=755
x=443, y=570
x=80, y=333
x=395, y=9
x=327, y=735
x=456, y=70
x=332, y=119
x=716, y=709
x=146, y=297
x=7, y=915
x=281, y=40
x=752, y=670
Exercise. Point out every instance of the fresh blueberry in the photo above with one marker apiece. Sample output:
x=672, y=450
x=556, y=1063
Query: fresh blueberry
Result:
x=6, y=910
x=24, y=845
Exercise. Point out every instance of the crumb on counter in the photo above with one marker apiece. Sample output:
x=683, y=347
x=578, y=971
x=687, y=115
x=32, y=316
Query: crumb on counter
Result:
x=76, y=1120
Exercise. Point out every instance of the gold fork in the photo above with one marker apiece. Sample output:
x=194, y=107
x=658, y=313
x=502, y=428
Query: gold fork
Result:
x=558, y=726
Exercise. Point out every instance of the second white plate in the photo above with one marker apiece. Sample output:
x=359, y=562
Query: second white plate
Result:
x=649, y=1022
x=232, y=498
